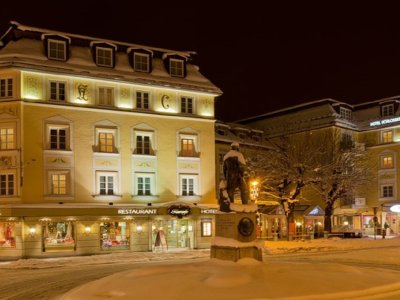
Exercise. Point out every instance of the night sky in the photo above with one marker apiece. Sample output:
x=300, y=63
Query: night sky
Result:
x=263, y=58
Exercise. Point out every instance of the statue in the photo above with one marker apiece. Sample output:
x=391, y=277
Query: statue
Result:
x=234, y=166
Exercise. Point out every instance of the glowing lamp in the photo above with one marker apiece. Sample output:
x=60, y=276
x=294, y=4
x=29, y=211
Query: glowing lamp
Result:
x=88, y=229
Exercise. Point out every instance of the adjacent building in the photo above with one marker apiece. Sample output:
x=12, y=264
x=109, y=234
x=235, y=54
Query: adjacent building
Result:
x=104, y=145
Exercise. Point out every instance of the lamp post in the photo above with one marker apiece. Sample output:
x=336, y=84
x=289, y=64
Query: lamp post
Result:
x=254, y=190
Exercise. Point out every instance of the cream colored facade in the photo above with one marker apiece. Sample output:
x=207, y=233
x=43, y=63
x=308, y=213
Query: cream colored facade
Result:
x=98, y=159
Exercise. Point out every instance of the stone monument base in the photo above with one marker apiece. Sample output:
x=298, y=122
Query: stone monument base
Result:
x=235, y=236
x=235, y=253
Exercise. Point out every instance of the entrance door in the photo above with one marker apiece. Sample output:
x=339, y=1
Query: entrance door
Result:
x=178, y=233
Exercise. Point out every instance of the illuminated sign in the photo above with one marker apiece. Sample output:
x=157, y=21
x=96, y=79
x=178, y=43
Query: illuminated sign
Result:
x=209, y=211
x=137, y=211
x=179, y=211
x=395, y=208
x=383, y=122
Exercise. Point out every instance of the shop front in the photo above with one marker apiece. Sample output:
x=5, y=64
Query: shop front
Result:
x=66, y=229
x=271, y=222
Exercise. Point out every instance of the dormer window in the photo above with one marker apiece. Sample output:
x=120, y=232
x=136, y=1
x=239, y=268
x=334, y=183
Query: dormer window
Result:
x=176, y=67
x=104, y=57
x=345, y=113
x=387, y=110
x=141, y=62
x=56, y=49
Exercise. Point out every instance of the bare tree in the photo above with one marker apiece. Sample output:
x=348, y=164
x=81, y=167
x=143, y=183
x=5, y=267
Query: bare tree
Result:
x=342, y=168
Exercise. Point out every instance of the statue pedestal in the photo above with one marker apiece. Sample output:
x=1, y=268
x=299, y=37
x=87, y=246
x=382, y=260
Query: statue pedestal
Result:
x=235, y=237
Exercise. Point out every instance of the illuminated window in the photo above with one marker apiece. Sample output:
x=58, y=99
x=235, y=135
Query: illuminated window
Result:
x=6, y=88
x=187, y=147
x=345, y=113
x=142, y=100
x=387, y=191
x=57, y=90
x=7, y=138
x=186, y=105
x=387, y=136
x=141, y=62
x=106, y=96
x=56, y=49
x=106, y=183
x=176, y=67
x=106, y=142
x=206, y=227
x=188, y=185
x=387, y=110
x=58, y=184
x=387, y=161
x=104, y=57
x=7, y=184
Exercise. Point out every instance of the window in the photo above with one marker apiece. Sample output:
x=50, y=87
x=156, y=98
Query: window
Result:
x=141, y=62
x=7, y=184
x=387, y=136
x=58, y=184
x=7, y=138
x=56, y=49
x=57, y=90
x=143, y=185
x=142, y=144
x=106, y=96
x=6, y=88
x=58, y=236
x=387, y=110
x=114, y=235
x=206, y=227
x=387, y=191
x=106, y=183
x=387, y=161
x=142, y=100
x=58, y=138
x=188, y=185
x=176, y=67
x=186, y=105
x=7, y=233
x=187, y=147
x=345, y=113
x=106, y=142
x=104, y=57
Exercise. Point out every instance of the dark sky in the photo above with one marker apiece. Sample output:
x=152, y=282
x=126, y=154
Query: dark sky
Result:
x=263, y=57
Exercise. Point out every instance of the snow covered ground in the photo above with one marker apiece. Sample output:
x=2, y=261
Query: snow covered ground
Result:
x=313, y=269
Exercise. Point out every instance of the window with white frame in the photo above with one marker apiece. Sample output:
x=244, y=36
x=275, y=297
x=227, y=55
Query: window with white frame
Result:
x=7, y=184
x=387, y=136
x=106, y=183
x=188, y=185
x=176, y=67
x=345, y=113
x=58, y=182
x=387, y=110
x=143, y=142
x=144, y=184
x=106, y=96
x=206, y=227
x=106, y=139
x=7, y=138
x=387, y=191
x=141, y=62
x=188, y=145
x=142, y=100
x=104, y=57
x=56, y=49
x=186, y=105
x=57, y=90
x=387, y=161
x=6, y=88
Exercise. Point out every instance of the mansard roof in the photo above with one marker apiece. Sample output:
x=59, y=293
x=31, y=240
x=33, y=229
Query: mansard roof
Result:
x=22, y=46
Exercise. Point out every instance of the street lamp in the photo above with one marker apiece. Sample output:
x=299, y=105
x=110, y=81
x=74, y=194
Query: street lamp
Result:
x=254, y=190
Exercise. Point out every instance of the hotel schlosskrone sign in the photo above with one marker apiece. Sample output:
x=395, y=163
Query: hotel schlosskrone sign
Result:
x=384, y=122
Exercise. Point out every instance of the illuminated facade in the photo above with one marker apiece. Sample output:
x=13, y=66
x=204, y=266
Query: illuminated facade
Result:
x=103, y=146
x=376, y=125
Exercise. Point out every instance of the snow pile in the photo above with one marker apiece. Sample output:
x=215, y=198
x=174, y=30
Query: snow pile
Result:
x=227, y=242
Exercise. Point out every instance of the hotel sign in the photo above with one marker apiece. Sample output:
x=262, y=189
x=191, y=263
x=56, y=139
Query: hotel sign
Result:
x=137, y=211
x=383, y=122
x=209, y=211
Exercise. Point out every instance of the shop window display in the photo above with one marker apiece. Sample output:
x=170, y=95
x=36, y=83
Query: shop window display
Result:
x=58, y=236
x=114, y=236
x=7, y=235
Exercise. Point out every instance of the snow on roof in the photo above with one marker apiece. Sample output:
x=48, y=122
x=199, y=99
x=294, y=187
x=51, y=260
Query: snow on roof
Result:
x=30, y=28
x=103, y=42
x=185, y=56
x=130, y=49
x=64, y=36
